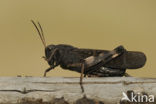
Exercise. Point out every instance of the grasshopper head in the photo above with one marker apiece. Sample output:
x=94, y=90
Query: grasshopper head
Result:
x=51, y=54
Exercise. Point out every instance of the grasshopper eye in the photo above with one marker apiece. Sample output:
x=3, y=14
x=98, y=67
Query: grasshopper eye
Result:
x=48, y=49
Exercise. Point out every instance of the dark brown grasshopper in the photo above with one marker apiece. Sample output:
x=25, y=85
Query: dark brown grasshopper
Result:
x=91, y=62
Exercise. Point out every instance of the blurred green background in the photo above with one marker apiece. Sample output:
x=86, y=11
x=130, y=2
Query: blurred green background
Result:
x=97, y=24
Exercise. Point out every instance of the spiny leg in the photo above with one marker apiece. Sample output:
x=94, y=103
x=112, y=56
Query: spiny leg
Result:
x=82, y=65
x=127, y=75
x=81, y=77
x=47, y=70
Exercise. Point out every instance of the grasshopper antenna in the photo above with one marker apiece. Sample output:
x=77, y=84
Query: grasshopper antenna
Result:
x=40, y=33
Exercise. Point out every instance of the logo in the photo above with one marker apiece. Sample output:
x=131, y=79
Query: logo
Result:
x=137, y=97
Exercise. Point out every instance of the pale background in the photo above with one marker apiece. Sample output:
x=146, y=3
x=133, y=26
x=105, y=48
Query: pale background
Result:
x=97, y=24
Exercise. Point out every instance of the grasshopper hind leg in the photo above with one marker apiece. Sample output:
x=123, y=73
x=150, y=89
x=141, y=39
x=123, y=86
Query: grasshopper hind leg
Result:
x=107, y=72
